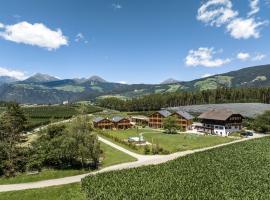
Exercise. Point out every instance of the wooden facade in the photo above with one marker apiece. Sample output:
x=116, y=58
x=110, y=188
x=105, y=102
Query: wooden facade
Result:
x=184, y=122
x=123, y=123
x=156, y=119
x=103, y=123
x=114, y=123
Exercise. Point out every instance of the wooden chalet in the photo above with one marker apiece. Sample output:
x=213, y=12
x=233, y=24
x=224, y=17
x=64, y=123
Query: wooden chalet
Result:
x=156, y=118
x=184, y=119
x=121, y=122
x=221, y=122
x=103, y=123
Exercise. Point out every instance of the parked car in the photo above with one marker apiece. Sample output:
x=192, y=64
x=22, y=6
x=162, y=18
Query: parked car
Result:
x=247, y=133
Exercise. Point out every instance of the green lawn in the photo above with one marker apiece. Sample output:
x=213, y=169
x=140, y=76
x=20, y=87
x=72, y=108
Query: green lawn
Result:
x=64, y=192
x=172, y=142
x=111, y=157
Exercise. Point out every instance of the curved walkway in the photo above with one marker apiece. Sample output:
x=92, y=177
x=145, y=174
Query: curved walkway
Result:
x=142, y=160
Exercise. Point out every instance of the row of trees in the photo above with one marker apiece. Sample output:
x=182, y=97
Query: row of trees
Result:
x=157, y=101
x=74, y=145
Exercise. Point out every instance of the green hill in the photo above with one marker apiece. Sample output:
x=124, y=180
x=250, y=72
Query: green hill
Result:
x=47, y=89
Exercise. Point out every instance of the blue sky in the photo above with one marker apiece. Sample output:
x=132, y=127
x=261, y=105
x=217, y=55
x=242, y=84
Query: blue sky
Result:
x=142, y=41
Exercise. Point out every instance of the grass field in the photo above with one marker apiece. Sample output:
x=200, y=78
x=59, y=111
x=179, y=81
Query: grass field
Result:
x=110, y=156
x=65, y=192
x=238, y=171
x=171, y=142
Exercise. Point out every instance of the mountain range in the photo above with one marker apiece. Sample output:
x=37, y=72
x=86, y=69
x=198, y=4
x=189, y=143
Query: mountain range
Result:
x=44, y=89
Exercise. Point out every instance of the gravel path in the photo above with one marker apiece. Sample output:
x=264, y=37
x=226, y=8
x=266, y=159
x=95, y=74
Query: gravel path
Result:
x=142, y=160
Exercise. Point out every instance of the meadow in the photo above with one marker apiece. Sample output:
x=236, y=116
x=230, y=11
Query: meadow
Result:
x=238, y=171
x=169, y=142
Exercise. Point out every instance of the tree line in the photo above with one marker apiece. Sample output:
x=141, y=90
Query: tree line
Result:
x=158, y=101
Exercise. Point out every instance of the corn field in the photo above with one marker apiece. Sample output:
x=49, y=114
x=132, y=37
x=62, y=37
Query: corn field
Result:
x=238, y=171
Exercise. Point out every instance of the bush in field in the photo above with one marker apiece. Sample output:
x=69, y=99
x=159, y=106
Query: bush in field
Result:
x=262, y=123
x=238, y=171
x=146, y=149
x=171, y=125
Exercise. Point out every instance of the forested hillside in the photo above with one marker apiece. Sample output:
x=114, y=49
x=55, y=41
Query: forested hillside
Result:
x=158, y=101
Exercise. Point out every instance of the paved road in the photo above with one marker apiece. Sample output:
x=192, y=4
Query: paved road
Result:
x=142, y=160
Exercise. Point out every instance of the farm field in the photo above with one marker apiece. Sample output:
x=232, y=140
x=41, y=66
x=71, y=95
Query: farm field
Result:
x=42, y=115
x=170, y=142
x=238, y=171
x=110, y=156
x=246, y=109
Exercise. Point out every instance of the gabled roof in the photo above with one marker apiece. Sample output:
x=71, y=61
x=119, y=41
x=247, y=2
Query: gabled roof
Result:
x=184, y=114
x=117, y=118
x=164, y=113
x=98, y=119
x=217, y=114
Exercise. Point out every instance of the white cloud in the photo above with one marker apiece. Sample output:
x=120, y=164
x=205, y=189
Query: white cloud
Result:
x=204, y=57
x=243, y=56
x=254, y=6
x=12, y=73
x=80, y=38
x=117, y=6
x=36, y=34
x=216, y=12
x=2, y=25
x=245, y=28
x=122, y=82
x=220, y=12
x=206, y=75
x=258, y=57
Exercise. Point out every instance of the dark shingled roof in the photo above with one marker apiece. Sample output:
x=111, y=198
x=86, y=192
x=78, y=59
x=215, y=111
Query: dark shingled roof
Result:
x=218, y=114
x=117, y=118
x=184, y=114
x=98, y=119
x=164, y=113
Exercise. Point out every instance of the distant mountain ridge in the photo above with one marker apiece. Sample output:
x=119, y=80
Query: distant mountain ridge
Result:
x=44, y=89
x=7, y=79
x=39, y=78
x=170, y=81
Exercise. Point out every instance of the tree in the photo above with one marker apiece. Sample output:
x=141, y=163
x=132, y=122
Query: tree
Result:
x=85, y=142
x=72, y=146
x=12, y=130
x=171, y=125
x=262, y=123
